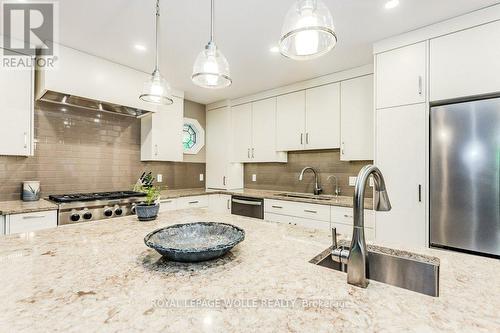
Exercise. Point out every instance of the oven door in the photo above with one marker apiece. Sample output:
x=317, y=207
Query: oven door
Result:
x=244, y=206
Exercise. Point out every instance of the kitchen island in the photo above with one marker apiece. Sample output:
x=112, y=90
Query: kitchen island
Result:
x=99, y=276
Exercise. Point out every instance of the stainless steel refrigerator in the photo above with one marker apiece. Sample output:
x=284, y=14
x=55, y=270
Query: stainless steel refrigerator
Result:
x=465, y=176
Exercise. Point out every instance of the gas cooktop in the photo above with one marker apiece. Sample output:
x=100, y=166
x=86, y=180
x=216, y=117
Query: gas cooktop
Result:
x=75, y=197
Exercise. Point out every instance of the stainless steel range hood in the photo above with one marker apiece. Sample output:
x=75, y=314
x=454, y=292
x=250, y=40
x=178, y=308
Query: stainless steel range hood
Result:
x=89, y=104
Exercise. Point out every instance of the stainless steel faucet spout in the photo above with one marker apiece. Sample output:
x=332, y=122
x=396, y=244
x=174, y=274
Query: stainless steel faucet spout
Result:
x=317, y=188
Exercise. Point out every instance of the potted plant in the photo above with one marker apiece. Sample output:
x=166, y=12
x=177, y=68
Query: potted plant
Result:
x=148, y=210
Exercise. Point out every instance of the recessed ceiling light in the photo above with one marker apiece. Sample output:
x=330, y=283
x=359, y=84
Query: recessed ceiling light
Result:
x=274, y=49
x=140, y=47
x=391, y=4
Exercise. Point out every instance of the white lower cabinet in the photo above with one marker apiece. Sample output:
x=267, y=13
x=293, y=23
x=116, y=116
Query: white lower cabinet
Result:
x=297, y=213
x=168, y=205
x=2, y=225
x=342, y=218
x=199, y=201
x=27, y=222
x=219, y=203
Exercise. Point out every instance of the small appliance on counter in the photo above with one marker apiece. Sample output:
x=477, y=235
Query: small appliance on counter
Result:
x=31, y=190
x=84, y=207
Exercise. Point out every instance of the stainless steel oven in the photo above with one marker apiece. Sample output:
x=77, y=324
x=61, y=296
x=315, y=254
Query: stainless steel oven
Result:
x=246, y=206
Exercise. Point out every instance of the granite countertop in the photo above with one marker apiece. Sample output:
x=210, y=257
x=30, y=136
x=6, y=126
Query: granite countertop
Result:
x=341, y=201
x=19, y=206
x=99, y=276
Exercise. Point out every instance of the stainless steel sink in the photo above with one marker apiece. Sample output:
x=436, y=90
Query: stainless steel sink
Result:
x=305, y=196
x=411, y=274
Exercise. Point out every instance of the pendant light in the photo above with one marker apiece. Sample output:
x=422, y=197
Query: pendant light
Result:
x=156, y=89
x=308, y=31
x=211, y=69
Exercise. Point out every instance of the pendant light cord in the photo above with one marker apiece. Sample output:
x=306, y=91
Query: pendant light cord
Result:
x=211, y=21
x=156, y=34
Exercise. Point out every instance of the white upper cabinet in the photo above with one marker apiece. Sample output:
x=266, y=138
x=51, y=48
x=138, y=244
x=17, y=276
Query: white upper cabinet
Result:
x=254, y=132
x=290, y=119
x=161, y=133
x=221, y=172
x=16, y=108
x=357, y=119
x=401, y=76
x=241, y=125
x=322, y=129
x=264, y=132
x=465, y=63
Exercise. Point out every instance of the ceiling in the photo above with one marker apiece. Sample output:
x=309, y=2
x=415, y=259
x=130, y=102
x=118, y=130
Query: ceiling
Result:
x=245, y=31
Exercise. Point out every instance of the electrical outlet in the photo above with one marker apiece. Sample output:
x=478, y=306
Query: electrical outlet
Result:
x=201, y=177
x=352, y=181
x=159, y=178
x=254, y=177
x=371, y=181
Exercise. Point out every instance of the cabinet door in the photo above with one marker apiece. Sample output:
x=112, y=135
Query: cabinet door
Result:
x=28, y=222
x=323, y=117
x=217, y=129
x=264, y=132
x=241, y=126
x=290, y=121
x=161, y=133
x=219, y=203
x=357, y=119
x=465, y=63
x=16, y=109
x=400, y=76
x=400, y=155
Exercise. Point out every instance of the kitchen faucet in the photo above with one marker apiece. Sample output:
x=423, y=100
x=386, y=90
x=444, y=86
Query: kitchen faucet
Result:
x=356, y=257
x=336, y=185
x=317, y=188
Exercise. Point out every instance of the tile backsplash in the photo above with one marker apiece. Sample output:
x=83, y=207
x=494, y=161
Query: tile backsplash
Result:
x=82, y=151
x=285, y=176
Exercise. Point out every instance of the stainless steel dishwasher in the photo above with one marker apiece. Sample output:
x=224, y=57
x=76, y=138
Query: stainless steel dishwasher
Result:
x=245, y=206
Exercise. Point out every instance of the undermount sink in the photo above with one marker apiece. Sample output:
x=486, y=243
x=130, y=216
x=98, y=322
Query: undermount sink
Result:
x=306, y=196
x=412, y=274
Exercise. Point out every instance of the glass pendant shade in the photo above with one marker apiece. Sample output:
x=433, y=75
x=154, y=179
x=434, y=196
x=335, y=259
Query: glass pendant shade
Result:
x=211, y=69
x=308, y=31
x=156, y=90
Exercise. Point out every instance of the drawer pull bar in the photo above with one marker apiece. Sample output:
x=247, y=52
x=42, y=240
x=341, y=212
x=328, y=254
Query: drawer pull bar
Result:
x=193, y=202
x=310, y=211
x=277, y=207
x=350, y=216
x=246, y=202
x=34, y=217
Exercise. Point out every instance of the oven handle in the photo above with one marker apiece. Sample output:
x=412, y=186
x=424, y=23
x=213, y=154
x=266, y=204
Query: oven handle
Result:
x=245, y=202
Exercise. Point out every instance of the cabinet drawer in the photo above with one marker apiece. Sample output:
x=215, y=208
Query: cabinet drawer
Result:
x=344, y=215
x=17, y=223
x=298, y=209
x=198, y=201
x=293, y=220
x=168, y=205
x=346, y=230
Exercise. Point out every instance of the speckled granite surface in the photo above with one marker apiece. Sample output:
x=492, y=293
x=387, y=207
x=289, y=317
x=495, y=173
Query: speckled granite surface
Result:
x=19, y=206
x=99, y=276
x=341, y=201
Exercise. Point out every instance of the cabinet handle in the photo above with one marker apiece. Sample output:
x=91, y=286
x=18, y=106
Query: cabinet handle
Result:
x=166, y=201
x=193, y=202
x=307, y=138
x=277, y=207
x=419, y=193
x=25, y=140
x=228, y=204
x=342, y=148
x=33, y=217
x=420, y=85
x=156, y=150
x=253, y=152
x=224, y=180
x=310, y=211
x=301, y=138
x=345, y=215
x=248, y=153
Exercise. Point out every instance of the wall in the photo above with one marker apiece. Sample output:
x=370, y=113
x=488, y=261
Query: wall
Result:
x=82, y=151
x=285, y=176
x=195, y=111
